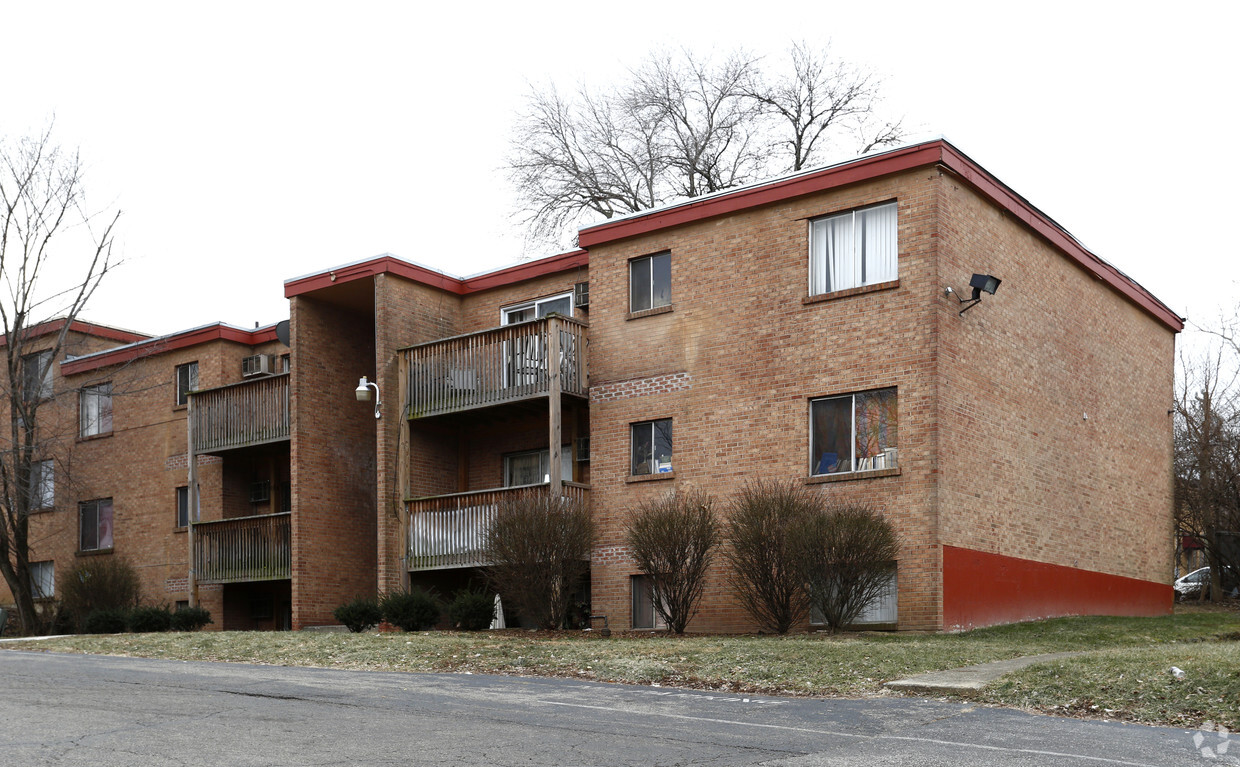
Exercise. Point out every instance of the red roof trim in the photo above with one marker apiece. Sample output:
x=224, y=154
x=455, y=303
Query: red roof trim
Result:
x=445, y=282
x=866, y=168
x=87, y=328
x=164, y=344
x=863, y=169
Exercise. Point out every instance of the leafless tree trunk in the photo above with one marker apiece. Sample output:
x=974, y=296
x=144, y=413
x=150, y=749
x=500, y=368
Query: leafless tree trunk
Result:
x=41, y=206
x=682, y=125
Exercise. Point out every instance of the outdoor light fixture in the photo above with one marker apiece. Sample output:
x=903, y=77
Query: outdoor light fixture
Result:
x=981, y=283
x=363, y=393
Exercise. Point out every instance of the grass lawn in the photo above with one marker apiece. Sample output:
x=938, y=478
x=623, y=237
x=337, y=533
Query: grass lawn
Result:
x=1126, y=675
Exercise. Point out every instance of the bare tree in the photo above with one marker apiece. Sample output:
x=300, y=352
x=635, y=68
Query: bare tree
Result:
x=673, y=539
x=1207, y=458
x=46, y=283
x=682, y=125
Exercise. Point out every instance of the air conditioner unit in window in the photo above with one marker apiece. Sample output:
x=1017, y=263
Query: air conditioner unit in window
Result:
x=256, y=365
x=260, y=492
x=581, y=294
x=581, y=449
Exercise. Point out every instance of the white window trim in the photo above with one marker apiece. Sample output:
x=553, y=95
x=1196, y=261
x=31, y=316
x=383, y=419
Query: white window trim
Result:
x=534, y=304
x=650, y=259
x=46, y=574
x=811, y=271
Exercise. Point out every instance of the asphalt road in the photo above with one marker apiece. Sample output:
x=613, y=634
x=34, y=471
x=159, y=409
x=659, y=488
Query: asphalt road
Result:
x=84, y=710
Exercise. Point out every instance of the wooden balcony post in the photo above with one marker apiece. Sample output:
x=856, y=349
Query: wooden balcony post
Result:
x=192, y=498
x=402, y=465
x=554, y=365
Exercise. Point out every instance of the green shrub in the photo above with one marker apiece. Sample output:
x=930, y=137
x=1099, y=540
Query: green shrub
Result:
x=673, y=539
x=107, y=620
x=150, y=619
x=97, y=583
x=190, y=618
x=471, y=610
x=361, y=614
x=413, y=610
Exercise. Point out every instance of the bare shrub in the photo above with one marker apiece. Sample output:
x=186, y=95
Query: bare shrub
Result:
x=539, y=549
x=765, y=519
x=673, y=540
x=98, y=583
x=846, y=556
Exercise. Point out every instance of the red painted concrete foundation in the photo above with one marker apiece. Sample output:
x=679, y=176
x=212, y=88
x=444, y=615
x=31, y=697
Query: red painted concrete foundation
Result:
x=981, y=589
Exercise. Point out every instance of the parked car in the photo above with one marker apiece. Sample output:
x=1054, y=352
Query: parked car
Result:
x=1190, y=586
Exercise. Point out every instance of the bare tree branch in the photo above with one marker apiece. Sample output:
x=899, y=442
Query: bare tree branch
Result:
x=681, y=126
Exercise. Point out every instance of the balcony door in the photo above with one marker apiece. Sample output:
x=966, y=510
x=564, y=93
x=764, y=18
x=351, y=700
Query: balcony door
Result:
x=524, y=356
x=533, y=467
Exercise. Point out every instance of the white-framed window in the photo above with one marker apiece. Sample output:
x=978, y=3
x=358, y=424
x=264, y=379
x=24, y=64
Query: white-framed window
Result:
x=42, y=485
x=652, y=447
x=645, y=616
x=95, y=525
x=533, y=467
x=853, y=432
x=650, y=282
x=95, y=409
x=538, y=308
x=42, y=580
x=37, y=376
x=885, y=609
x=187, y=381
x=853, y=249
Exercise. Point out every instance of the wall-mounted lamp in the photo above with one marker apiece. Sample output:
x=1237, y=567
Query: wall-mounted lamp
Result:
x=981, y=283
x=363, y=393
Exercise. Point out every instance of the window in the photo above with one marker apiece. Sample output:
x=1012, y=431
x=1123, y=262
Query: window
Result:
x=42, y=485
x=182, y=507
x=650, y=282
x=96, y=525
x=286, y=363
x=42, y=580
x=187, y=381
x=532, y=467
x=856, y=432
x=95, y=408
x=884, y=609
x=853, y=249
x=37, y=376
x=652, y=447
x=644, y=614
x=537, y=309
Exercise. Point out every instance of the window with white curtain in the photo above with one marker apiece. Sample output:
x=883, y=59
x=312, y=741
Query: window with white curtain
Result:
x=853, y=249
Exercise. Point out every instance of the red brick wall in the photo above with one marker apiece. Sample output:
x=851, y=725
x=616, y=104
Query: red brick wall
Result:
x=735, y=363
x=1056, y=441
x=333, y=459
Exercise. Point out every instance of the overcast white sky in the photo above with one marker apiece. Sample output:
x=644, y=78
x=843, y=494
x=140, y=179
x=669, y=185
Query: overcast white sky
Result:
x=251, y=142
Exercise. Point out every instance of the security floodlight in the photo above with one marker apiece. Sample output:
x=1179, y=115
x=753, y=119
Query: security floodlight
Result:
x=981, y=283
x=363, y=393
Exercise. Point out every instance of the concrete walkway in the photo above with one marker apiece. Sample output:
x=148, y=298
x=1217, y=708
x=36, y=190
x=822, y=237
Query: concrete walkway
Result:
x=971, y=678
x=33, y=639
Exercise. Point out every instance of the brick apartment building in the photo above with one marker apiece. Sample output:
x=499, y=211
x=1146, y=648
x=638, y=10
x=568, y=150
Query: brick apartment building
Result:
x=798, y=328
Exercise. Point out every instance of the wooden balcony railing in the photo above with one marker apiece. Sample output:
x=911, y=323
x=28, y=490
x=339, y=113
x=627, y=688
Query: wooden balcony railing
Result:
x=450, y=530
x=496, y=366
x=240, y=414
x=243, y=549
